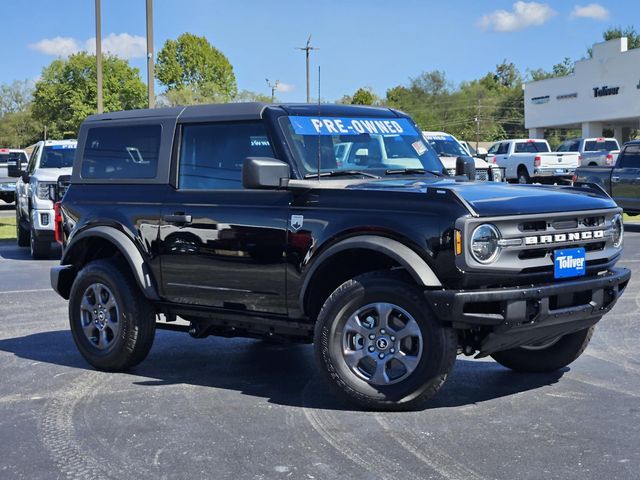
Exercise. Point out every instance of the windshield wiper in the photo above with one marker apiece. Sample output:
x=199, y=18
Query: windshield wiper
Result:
x=341, y=173
x=420, y=171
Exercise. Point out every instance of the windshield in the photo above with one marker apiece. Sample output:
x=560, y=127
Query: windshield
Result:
x=446, y=146
x=374, y=145
x=58, y=156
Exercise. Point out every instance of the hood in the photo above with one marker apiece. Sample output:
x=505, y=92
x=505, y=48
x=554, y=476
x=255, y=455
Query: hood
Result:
x=51, y=174
x=489, y=199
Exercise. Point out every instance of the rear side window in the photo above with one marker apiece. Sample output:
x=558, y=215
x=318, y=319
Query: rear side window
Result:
x=129, y=151
x=600, y=146
x=630, y=157
x=503, y=149
x=211, y=155
x=569, y=146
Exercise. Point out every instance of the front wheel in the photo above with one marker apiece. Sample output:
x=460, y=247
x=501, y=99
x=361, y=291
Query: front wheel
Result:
x=379, y=346
x=548, y=356
x=39, y=248
x=523, y=176
x=112, y=324
x=22, y=234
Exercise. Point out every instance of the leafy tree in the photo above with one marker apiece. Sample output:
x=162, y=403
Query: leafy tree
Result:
x=192, y=62
x=66, y=92
x=431, y=83
x=633, y=37
x=362, y=96
x=19, y=129
x=15, y=97
x=507, y=75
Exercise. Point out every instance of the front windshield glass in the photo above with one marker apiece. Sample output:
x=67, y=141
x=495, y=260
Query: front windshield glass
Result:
x=446, y=146
x=370, y=145
x=58, y=156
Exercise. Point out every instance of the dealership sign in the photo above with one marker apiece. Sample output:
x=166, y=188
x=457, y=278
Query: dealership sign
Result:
x=539, y=100
x=605, y=91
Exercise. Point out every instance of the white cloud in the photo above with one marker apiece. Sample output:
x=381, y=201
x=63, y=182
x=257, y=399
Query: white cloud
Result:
x=285, y=87
x=593, y=10
x=523, y=15
x=122, y=45
x=57, y=46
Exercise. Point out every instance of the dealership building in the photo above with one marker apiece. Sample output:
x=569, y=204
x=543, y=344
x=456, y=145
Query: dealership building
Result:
x=602, y=93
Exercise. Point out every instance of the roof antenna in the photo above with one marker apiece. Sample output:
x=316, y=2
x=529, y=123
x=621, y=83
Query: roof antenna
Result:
x=319, y=154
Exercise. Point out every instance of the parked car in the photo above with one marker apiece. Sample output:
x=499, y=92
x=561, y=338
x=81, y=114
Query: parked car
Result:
x=35, y=187
x=449, y=149
x=531, y=160
x=593, y=151
x=389, y=269
x=8, y=158
x=620, y=181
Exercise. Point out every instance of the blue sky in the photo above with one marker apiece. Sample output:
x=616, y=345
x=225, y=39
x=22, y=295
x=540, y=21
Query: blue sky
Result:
x=372, y=43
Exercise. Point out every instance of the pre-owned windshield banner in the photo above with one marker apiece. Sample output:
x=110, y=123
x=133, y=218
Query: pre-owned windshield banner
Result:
x=351, y=126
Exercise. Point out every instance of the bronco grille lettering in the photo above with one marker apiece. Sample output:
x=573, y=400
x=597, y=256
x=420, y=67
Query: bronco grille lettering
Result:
x=563, y=237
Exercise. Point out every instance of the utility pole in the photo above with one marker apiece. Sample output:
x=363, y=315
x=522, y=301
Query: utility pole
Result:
x=273, y=87
x=307, y=49
x=150, y=75
x=477, y=120
x=99, y=57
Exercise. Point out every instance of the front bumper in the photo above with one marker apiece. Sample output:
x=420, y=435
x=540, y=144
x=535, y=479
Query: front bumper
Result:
x=516, y=316
x=43, y=220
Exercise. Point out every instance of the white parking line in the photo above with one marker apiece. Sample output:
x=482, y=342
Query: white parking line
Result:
x=27, y=291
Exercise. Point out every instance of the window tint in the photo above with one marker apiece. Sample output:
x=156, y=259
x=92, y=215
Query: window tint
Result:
x=569, y=146
x=122, y=152
x=494, y=148
x=630, y=157
x=31, y=168
x=211, y=155
x=503, y=149
x=58, y=156
x=600, y=146
x=531, y=147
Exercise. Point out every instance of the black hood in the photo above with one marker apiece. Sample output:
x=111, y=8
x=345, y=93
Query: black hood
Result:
x=495, y=199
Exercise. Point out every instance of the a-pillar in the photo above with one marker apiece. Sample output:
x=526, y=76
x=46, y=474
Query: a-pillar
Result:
x=591, y=129
x=536, y=133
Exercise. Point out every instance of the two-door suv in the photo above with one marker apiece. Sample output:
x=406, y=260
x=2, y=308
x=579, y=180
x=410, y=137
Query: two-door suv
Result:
x=246, y=220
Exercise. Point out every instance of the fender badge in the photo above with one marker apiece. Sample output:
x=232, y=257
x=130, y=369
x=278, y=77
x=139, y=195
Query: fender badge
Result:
x=296, y=222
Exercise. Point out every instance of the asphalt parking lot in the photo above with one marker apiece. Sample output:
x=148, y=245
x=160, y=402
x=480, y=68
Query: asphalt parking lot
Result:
x=218, y=408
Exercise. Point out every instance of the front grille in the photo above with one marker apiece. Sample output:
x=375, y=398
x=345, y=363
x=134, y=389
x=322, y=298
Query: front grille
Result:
x=482, y=175
x=530, y=242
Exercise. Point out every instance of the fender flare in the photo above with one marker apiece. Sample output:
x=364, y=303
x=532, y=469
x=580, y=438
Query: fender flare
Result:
x=406, y=257
x=125, y=245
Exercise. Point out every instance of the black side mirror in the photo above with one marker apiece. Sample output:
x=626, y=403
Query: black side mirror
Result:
x=14, y=167
x=466, y=166
x=25, y=177
x=264, y=173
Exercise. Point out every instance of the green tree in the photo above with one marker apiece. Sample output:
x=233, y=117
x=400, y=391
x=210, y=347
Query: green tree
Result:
x=66, y=92
x=192, y=62
x=363, y=96
x=19, y=129
x=15, y=97
x=633, y=37
x=507, y=75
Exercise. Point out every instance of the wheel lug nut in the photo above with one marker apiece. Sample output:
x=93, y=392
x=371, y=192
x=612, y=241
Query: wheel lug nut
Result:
x=382, y=331
x=393, y=339
x=393, y=350
x=372, y=336
x=381, y=356
x=371, y=348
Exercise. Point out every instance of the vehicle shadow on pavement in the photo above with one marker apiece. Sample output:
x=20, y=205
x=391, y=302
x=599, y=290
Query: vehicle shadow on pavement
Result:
x=9, y=250
x=283, y=374
x=632, y=227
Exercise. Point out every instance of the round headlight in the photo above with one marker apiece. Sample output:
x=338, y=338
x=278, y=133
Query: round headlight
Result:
x=618, y=230
x=484, y=243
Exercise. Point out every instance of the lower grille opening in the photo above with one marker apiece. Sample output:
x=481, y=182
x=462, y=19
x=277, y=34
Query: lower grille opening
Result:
x=483, y=307
x=575, y=299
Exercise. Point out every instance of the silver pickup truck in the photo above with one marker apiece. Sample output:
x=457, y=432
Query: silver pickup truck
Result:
x=594, y=152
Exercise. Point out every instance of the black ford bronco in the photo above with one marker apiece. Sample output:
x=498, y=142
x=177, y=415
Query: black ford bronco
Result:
x=336, y=225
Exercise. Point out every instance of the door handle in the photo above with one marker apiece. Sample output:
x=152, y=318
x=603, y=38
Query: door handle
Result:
x=615, y=178
x=177, y=218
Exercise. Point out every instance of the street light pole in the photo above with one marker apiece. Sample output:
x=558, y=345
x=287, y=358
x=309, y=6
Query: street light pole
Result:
x=99, y=58
x=273, y=87
x=307, y=49
x=150, y=75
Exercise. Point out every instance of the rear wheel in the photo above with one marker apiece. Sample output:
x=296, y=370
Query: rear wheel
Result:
x=379, y=346
x=547, y=356
x=22, y=234
x=523, y=175
x=113, y=325
x=39, y=248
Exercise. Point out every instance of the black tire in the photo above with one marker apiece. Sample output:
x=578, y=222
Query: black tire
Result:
x=135, y=317
x=22, y=234
x=557, y=355
x=438, y=351
x=523, y=176
x=40, y=249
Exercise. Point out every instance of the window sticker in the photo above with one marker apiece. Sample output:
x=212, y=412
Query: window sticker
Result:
x=419, y=147
x=351, y=126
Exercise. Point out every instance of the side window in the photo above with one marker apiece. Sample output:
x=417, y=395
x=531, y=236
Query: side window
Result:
x=630, y=157
x=520, y=148
x=31, y=167
x=494, y=149
x=211, y=155
x=129, y=151
x=503, y=149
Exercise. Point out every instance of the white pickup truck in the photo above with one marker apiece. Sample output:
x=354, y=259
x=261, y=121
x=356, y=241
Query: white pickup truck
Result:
x=531, y=160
